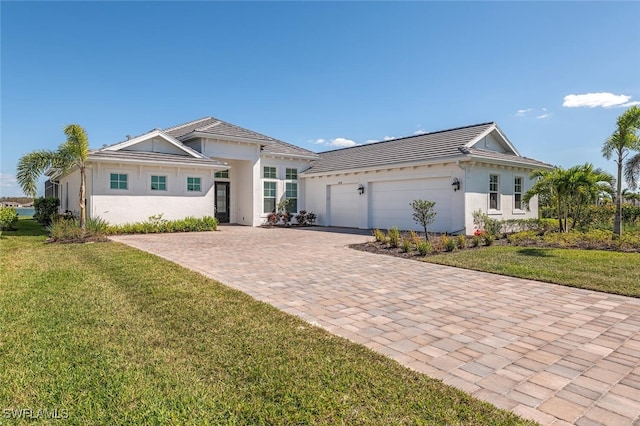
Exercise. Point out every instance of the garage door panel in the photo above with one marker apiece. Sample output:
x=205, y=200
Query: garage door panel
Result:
x=390, y=203
x=343, y=205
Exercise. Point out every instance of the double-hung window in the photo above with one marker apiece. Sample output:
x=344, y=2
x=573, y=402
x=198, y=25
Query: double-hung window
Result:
x=517, y=193
x=222, y=174
x=118, y=181
x=269, y=197
x=158, y=183
x=291, y=194
x=494, y=192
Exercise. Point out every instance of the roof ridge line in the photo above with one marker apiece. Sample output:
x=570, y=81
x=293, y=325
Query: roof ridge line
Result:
x=179, y=126
x=412, y=136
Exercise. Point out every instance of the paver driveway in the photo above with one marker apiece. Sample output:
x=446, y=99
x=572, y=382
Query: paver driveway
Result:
x=550, y=353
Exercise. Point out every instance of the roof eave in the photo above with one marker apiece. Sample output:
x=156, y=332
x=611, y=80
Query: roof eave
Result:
x=156, y=162
x=206, y=135
x=300, y=156
x=441, y=160
x=514, y=162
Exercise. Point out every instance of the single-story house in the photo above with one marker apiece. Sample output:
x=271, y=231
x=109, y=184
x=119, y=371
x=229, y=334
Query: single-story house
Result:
x=211, y=167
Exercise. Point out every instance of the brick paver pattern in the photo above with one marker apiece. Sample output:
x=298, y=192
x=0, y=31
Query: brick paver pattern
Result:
x=554, y=354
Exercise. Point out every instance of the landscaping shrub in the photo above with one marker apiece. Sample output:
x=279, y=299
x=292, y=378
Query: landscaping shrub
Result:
x=423, y=247
x=448, y=243
x=65, y=229
x=393, y=235
x=415, y=238
x=461, y=242
x=406, y=245
x=524, y=238
x=305, y=218
x=476, y=240
x=379, y=236
x=8, y=218
x=45, y=209
x=156, y=224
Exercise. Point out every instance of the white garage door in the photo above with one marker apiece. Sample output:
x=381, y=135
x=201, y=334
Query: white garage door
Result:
x=344, y=205
x=390, y=203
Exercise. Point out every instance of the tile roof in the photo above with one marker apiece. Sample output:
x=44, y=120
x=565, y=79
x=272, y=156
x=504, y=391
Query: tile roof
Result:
x=156, y=157
x=216, y=127
x=441, y=144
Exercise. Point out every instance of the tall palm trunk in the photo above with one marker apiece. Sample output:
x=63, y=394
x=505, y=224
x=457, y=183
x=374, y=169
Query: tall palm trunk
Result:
x=83, y=211
x=617, y=220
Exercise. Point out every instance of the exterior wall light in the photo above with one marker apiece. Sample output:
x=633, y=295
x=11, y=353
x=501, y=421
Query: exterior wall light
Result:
x=455, y=184
x=360, y=189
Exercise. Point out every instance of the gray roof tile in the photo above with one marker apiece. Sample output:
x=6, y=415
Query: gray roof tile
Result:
x=429, y=146
x=219, y=128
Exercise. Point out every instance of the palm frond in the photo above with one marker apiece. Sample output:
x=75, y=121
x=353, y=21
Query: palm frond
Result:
x=31, y=166
x=632, y=171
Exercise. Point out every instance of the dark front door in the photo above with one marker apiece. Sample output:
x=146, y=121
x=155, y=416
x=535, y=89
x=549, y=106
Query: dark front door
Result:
x=222, y=202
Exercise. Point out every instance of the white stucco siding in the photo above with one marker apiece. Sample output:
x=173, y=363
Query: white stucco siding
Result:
x=220, y=149
x=70, y=192
x=138, y=201
x=344, y=205
x=477, y=194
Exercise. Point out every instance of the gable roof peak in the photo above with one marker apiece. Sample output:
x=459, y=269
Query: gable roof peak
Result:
x=435, y=132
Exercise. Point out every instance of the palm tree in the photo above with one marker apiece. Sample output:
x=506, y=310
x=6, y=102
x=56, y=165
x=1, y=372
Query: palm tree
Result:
x=624, y=140
x=569, y=190
x=71, y=154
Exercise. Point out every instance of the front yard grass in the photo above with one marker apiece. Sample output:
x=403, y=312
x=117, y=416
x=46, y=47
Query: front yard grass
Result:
x=105, y=334
x=606, y=271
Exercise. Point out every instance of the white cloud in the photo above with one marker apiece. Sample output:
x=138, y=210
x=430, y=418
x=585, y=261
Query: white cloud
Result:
x=318, y=141
x=342, y=143
x=7, y=180
x=419, y=132
x=371, y=141
x=523, y=112
x=388, y=138
x=543, y=116
x=601, y=99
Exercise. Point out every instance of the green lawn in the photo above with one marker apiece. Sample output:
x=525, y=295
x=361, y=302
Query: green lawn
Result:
x=606, y=271
x=106, y=334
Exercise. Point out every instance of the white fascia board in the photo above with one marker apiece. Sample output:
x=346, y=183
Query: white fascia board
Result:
x=154, y=134
x=489, y=130
x=512, y=163
x=158, y=163
x=294, y=156
x=442, y=160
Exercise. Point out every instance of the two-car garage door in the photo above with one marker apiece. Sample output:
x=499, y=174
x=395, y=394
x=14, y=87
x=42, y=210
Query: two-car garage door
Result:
x=389, y=203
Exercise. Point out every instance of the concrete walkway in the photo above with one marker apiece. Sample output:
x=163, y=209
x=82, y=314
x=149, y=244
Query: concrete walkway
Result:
x=550, y=353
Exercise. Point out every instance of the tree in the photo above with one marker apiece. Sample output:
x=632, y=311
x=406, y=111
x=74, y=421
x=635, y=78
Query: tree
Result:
x=624, y=140
x=73, y=153
x=424, y=214
x=570, y=190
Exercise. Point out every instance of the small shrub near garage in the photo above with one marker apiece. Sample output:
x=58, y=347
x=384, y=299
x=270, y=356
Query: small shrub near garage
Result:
x=45, y=210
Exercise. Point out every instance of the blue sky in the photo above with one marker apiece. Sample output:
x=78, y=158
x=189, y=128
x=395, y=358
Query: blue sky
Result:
x=554, y=76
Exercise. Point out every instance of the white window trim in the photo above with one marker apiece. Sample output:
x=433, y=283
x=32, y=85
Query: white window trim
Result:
x=499, y=197
x=118, y=172
x=156, y=191
x=271, y=167
x=515, y=209
x=186, y=184
x=275, y=197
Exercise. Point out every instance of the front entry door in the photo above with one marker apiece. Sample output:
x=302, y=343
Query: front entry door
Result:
x=222, y=202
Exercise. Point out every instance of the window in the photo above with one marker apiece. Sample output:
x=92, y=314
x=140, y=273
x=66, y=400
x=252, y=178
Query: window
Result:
x=158, y=183
x=222, y=174
x=193, y=184
x=517, y=193
x=269, y=172
x=269, y=197
x=291, y=174
x=118, y=181
x=291, y=194
x=494, y=193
